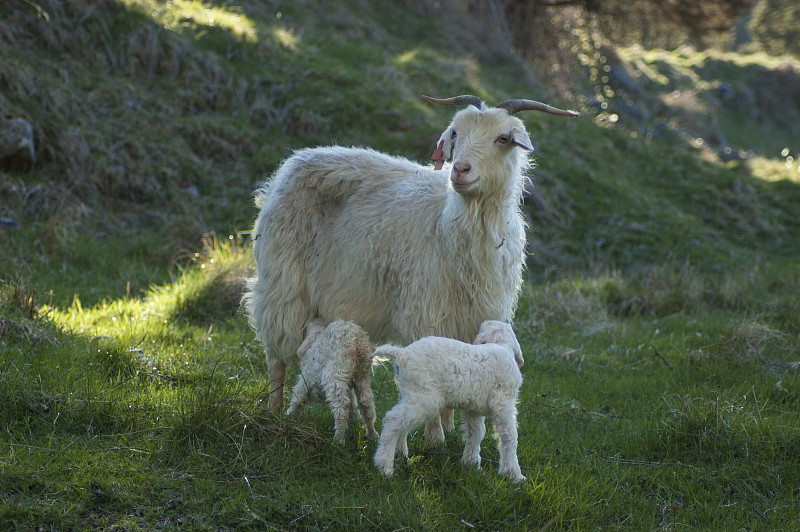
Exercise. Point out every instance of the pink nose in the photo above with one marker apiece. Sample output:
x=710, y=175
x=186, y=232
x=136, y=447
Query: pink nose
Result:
x=460, y=169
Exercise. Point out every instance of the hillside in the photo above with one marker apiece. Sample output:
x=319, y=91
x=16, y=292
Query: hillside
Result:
x=154, y=123
x=659, y=316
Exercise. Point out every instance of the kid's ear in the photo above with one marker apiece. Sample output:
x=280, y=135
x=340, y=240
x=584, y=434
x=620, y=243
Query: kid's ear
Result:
x=520, y=138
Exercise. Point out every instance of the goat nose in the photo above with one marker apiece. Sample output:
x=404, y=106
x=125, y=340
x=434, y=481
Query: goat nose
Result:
x=461, y=168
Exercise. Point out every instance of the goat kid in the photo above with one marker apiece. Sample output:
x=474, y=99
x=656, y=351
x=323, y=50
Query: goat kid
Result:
x=480, y=379
x=336, y=366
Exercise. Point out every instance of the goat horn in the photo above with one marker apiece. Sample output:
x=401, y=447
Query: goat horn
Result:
x=465, y=100
x=514, y=106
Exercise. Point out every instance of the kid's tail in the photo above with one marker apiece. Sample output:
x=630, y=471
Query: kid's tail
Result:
x=391, y=352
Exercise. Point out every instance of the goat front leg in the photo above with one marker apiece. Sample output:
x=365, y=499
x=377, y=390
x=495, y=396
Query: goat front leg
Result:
x=300, y=395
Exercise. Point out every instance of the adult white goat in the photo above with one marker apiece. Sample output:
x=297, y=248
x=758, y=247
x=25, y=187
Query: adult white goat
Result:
x=398, y=248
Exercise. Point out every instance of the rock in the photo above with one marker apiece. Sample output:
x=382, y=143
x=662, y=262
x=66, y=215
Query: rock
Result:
x=17, y=149
x=8, y=223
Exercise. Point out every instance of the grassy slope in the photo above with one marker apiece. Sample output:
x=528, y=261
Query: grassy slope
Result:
x=659, y=320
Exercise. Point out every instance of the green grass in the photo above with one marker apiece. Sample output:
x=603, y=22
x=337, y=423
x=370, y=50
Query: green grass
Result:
x=689, y=418
x=658, y=320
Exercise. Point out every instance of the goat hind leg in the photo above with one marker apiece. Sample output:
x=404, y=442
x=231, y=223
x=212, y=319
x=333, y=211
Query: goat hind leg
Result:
x=505, y=428
x=277, y=376
x=434, y=433
x=339, y=396
x=448, y=423
x=396, y=424
x=474, y=431
x=366, y=403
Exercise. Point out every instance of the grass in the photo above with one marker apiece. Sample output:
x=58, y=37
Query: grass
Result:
x=658, y=319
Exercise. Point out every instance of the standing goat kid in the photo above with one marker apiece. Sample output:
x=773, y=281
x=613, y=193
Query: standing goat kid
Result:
x=400, y=249
x=480, y=379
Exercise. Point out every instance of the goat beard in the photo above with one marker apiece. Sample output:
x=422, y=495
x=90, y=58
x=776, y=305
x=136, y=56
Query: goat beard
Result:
x=477, y=211
x=470, y=215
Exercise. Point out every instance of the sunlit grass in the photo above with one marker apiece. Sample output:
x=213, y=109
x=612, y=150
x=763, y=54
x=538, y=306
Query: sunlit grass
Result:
x=206, y=282
x=775, y=169
x=691, y=58
x=199, y=17
x=633, y=391
x=181, y=14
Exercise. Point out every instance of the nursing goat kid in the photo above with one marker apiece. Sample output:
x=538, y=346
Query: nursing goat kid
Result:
x=336, y=366
x=397, y=247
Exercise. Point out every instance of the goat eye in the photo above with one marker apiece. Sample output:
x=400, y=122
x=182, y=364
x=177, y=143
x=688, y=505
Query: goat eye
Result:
x=502, y=139
x=453, y=134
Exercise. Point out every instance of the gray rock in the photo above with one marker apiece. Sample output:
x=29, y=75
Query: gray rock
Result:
x=17, y=149
x=8, y=223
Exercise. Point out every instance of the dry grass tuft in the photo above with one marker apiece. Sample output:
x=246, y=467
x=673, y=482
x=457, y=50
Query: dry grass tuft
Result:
x=20, y=297
x=573, y=301
x=748, y=341
x=659, y=289
x=20, y=318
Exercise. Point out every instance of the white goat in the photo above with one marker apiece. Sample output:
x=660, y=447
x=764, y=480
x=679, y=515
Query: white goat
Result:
x=435, y=373
x=336, y=366
x=400, y=249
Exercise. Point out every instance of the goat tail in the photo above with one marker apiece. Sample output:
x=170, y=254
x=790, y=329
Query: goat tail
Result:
x=392, y=352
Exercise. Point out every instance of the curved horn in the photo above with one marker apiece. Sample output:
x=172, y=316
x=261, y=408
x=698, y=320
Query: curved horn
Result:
x=514, y=106
x=465, y=100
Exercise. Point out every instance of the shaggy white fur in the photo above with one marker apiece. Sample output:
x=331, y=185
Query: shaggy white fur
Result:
x=336, y=365
x=436, y=373
x=401, y=249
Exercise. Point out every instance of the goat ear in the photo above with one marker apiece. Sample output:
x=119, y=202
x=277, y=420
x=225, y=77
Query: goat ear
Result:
x=520, y=138
x=444, y=148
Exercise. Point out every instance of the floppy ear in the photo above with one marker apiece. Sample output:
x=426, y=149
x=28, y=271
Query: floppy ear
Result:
x=489, y=333
x=520, y=138
x=444, y=148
